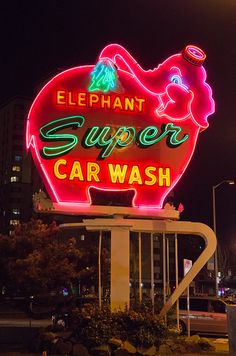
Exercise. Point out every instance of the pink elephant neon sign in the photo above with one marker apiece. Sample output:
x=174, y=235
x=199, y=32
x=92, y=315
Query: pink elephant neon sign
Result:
x=117, y=127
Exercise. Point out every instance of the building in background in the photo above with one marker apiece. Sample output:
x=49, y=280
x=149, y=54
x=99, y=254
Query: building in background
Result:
x=15, y=165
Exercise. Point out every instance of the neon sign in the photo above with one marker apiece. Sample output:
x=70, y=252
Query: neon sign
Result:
x=103, y=138
x=113, y=126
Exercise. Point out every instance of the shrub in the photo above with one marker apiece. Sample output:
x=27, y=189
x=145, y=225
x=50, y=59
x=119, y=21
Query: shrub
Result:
x=94, y=327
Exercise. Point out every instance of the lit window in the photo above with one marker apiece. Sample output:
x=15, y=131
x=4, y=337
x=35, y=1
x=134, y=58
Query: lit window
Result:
x=18, y=158
x=16, y=168
x=14, y=222
x=16, y=211
x=82, y=237
x=14, y=179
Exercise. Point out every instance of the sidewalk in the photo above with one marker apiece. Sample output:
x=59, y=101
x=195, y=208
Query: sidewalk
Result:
x=222, y=349
x=15, y=350
x=222, y=346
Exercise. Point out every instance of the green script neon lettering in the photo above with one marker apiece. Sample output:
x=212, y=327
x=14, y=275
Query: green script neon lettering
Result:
x=49, y=133
x=100, y=137
x=147, y=137
x=105, y=138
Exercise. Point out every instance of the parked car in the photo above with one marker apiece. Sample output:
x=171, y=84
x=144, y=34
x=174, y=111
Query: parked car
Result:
x=62, y=312
x=61, y=315
x=230, y=300
x=207, y=315
x=41, y=307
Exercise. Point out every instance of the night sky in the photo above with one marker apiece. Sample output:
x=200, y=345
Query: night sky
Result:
x=41, y=38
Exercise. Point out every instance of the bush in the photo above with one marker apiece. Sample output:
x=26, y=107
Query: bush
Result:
x=93, y=327
x=129, y=331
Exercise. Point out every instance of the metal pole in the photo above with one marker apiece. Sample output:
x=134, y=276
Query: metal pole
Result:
x=230, y=182
x=152, y=273
x=168, y=265
x=140, y=266
x=214, y=228
x=188, y=310
x=177, y=278
x=164, y=270
x=99, y=270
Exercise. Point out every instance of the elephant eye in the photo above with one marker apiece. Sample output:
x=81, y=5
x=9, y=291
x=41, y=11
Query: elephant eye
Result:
x=176, y=79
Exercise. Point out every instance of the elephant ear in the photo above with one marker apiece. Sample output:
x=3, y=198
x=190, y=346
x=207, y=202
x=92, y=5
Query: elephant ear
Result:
x=178, y=106
x=203, y=104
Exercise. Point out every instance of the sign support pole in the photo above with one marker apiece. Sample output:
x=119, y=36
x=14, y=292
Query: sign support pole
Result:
x=164, y=269
x=140, y=266
x=120, y=270
x=177, y=277
x=152, y=275
x=188, y=310
x=99, y=270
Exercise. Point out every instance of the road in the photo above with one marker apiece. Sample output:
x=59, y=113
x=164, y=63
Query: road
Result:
x=25, y=322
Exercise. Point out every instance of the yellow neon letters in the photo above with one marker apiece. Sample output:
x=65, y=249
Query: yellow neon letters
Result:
x=116, y=173
x=58, y=174
x=93, y=170
x=102, y=101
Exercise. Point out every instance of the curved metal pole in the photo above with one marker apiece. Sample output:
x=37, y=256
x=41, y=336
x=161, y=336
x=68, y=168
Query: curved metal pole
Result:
x=210, y=240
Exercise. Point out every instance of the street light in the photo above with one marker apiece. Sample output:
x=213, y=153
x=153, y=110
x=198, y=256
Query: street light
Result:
x=230, y=182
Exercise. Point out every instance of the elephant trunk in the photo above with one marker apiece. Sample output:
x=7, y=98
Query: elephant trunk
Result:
x=124, y=61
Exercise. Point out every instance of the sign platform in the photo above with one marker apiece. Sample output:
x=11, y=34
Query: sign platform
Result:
x=130, y=212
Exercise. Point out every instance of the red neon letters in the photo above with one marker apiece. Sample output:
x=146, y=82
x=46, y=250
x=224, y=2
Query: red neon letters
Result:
x=115, y=126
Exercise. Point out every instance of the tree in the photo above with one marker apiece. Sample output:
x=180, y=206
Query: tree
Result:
x=103, y=77
x=34, y=261
x=5, y=253
x=223, y=259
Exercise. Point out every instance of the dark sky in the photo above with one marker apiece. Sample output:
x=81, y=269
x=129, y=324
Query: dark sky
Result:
x=40, y=37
